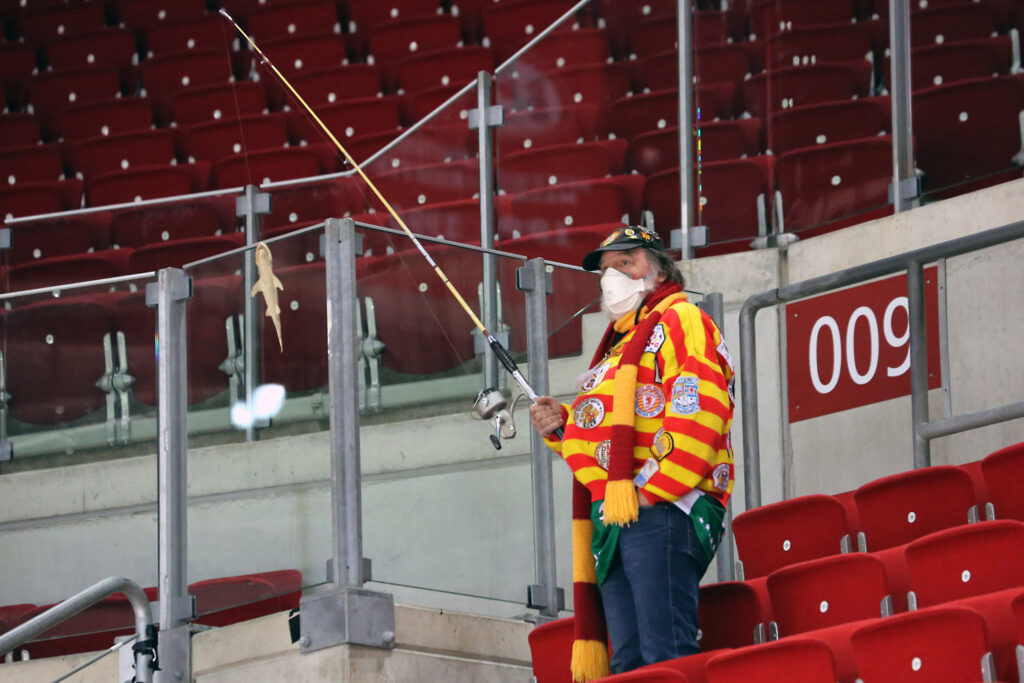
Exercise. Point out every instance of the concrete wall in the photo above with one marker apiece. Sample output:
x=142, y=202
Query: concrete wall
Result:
x=443, y=510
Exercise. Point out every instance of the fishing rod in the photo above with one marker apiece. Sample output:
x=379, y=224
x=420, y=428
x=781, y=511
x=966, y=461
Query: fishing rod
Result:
x=499, y=351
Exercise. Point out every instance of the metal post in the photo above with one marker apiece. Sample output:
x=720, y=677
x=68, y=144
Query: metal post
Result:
x=485, y=118
x=342, y=611
x=169, y=293
x=250, y=206
x=686, y=152
x=748, y=404
x=545, y=595
x=904, y=182
x=918, y=362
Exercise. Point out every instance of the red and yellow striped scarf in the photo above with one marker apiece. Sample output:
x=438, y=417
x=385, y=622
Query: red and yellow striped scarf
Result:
x=589, y=650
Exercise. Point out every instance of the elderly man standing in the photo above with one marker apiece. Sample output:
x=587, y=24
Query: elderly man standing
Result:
x=647, y=439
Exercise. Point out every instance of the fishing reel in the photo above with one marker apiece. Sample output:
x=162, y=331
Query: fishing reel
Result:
x=490, y=404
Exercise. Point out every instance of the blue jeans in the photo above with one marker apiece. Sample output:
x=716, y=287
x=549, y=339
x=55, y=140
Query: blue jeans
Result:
x=650, y=594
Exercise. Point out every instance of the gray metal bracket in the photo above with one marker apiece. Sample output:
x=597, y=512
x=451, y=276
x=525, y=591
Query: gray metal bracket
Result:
x=116, y=382
x=371, y=348
x=182, y=291
x=495, y=116
x=336, y=615
x=234, y=364
x=358, y=244
x=261, y=203
x=366, y=569
x=6, y=451
x=5, y=239
x=536, y=599
x=527, y=282
x=910, y=188
x=6, y=447
x=698, y=235
x=778, y=240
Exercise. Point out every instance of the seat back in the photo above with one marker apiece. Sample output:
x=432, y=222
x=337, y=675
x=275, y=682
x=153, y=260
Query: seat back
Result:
x=1002, y=470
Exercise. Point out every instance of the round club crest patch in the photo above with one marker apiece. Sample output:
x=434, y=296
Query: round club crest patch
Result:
x=649, y=400
x=685, y=397
x=603, y=453
x=720, y=477
x=594, y=377
x=589, y=413
x=663, y=444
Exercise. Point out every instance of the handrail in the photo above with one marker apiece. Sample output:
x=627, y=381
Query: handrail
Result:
x=912, y=261
x=145, y=630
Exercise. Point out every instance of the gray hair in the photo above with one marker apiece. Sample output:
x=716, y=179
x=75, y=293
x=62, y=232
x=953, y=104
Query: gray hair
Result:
x=666, y=267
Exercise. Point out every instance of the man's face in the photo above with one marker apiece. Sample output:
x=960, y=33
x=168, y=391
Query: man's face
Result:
x=633, y=262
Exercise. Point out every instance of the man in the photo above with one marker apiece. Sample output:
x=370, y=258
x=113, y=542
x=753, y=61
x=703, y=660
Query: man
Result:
x=647, y=439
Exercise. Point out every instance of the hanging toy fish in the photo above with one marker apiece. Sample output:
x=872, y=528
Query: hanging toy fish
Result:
x=268, y=283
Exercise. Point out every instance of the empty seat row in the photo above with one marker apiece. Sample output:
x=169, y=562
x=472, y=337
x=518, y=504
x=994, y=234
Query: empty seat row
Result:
x=880, y=514
x=828, y=599
x=219, y=602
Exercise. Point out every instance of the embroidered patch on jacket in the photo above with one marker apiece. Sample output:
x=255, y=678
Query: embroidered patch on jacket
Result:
x=649, y=400
x=723, y=351
x=594, y=377
x=589, y=413
x=663, y=444
x=603, y=453
x=685, y=400
x=656, y=339
x=720, y=477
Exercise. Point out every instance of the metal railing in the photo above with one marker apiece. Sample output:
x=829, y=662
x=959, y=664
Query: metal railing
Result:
x=913, y=262
x=145, y=637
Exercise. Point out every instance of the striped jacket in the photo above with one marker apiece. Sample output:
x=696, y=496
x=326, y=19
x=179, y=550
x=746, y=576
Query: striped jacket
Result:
x=683, y=407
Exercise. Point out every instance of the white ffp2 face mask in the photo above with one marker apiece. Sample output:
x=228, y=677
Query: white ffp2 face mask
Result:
x=621, y=294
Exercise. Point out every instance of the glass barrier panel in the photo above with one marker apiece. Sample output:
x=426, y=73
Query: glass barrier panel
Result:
x=442, y=509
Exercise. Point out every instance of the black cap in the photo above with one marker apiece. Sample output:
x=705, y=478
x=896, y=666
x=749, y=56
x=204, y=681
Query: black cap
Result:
x=622, y=239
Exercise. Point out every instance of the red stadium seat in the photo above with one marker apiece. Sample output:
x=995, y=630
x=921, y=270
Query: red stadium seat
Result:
x=900, y=508
x=149, y=182
x=456, y=221
x=509, y=26
x=64, y=236
x=570, y=48
x=29, y=164
x=419, y=185
x=54, y=350
x=820, y=124
x=51, y=92
x=305, y=18
x=968, y=130
x=43, y=24
x=443, y=340
x=941, y=25
x=112, y=47
x=30, y=199
x=335, y=198
x=827, y=591
x=654, y=34
x=804, y=85
x=177, y=253
x=917, y=645
x=164, y=76
x=394, y=42
x=93, y=629
x=594, y=84
x=229, y=600
x=228, y=102
x=366, y=16
x=735, y=199
x=12, y=615
x=658, y=150
x=303, y=364
x=214, y=300
x=623, y=17
x=453, y=66
x=329, y=86
x=164, y=222
x=215, y=140
x=631, y=116
x=124, y=151
x=18, y=129
x=782, y=15
x=348, y=119
x=574, y=204
x=200, y=32
x=1001, y=470
x=729, y=614
x=797, y=660
x=551, y=650
x=840, y=42
x=61, y=270
x=104, y=117
x=966, y=561
x=554, y=164
x=935, y=65
x=147, y=13
x=831, y=186
x=542, y=127
x=269, y=165
x=789, y=532
x=17, y=64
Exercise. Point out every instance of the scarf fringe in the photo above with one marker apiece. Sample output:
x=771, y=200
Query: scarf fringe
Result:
x=589, y=660
x=621, y=506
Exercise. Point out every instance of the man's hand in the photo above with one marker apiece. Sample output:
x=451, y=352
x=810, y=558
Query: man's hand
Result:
x=546, y=415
